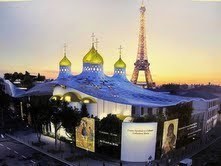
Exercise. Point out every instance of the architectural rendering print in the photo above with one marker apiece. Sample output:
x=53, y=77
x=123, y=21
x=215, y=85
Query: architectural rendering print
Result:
x=110, y=83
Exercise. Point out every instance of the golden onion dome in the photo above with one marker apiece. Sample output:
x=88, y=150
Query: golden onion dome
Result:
x=120, y=64
x=97, y=59
x=65, y=62
x=87, y=58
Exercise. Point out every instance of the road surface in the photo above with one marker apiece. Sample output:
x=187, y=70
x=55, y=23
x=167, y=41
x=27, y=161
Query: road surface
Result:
x=13, y=153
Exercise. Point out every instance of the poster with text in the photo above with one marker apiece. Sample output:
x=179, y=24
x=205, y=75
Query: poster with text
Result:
x=138, y=142
x=85, y=134
x=169, y=136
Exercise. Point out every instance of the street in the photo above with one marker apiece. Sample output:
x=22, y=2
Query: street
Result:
x=28, y=136
x=210, y=156
x=13, y=153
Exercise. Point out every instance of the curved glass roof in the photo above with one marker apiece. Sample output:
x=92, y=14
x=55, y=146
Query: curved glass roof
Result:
x=114, y=89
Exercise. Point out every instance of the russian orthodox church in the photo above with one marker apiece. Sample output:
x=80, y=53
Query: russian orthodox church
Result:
x=101, y=93
x=93, y=68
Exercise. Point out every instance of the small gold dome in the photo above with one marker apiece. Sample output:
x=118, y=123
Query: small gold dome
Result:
x=120, y=64
x=65, y=62
x=87, y=58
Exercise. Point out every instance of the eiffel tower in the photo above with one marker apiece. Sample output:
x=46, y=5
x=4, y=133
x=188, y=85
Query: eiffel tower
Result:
x=142, y=63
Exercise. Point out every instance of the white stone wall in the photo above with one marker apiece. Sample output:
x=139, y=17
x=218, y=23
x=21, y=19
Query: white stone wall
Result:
x=145, y=111
x=100, y=109
x=61, y=132
x=210, y=109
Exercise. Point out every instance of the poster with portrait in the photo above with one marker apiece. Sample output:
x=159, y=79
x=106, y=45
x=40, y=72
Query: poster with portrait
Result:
x=169, y=136
x=85, y=134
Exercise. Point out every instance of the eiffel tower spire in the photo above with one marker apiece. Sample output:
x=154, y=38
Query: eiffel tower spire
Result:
x=142, y=63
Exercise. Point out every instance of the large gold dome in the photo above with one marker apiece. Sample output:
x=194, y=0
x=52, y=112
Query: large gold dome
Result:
x=87, y=58
x=93, y=57
x=97, y=59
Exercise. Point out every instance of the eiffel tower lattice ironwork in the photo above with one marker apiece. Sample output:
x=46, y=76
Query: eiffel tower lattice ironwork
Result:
x=142, y=63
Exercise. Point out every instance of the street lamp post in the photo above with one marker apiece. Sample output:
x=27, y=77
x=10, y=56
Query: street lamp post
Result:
x=87, y=151
x=2, y=117
x=149, y=160
x=169, y=161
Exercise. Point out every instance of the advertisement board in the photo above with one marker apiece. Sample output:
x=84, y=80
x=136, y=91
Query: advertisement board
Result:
x=169, y=136
x=138, y=141
x=85, y=134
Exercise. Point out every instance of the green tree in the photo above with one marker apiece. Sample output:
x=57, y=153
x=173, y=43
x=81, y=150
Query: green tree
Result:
x=84, y=112
x=112, y=124
x=66, y=117
x=14, y=76
x=27, y=81
x=40, y=114
x=160, y=118
x=4, y=104
x=181, y=111
x=109, y=130
x=40, y=78
x=4, y=99
x=20, y=76
x=56, y=117
x=70, y=119
x=172, y=88
x=7, y=76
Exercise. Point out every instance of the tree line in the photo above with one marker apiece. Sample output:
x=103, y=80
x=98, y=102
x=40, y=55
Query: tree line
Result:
x=27, y=80
x=44, y=111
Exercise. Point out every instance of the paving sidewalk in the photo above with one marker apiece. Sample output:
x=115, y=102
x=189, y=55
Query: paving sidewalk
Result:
x=28, y=137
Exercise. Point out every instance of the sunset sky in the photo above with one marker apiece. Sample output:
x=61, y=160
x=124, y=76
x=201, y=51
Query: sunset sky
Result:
x=183, y=36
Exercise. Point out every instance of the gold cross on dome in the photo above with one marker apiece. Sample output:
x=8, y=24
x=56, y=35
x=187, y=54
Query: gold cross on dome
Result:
x=142, y=3
x=96, y=42
x=65, y=48
x=120, y=50
x=92, y=37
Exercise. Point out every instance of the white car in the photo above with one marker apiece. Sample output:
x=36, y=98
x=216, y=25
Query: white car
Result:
x=2, y=136
x=186, y=162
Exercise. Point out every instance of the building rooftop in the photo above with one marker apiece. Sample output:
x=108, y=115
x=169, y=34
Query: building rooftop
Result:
x=11, y=89
x=199, y=94
x=117, y=88
x=114, y=89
